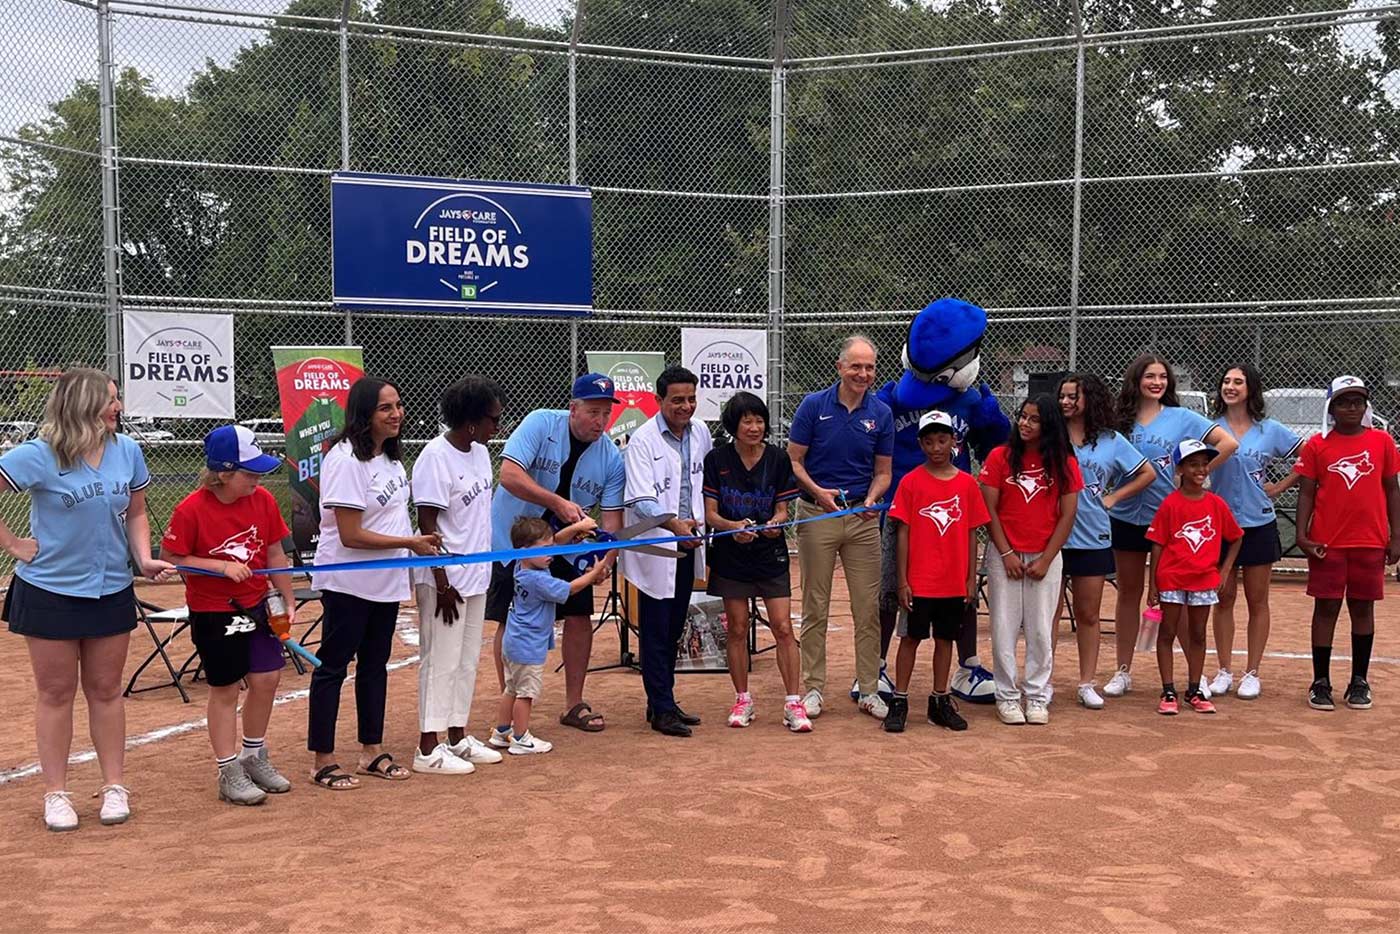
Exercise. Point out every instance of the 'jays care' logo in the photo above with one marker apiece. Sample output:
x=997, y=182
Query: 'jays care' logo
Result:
x=1198, y=533
x=1031, y=483
x=943, y=513
x=1353, y=468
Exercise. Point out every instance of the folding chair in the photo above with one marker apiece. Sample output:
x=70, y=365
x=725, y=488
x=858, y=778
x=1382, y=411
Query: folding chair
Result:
x=303, y=593
x=179, y=619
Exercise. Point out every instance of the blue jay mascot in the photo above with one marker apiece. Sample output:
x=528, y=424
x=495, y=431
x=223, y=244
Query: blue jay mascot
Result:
x=942, y=359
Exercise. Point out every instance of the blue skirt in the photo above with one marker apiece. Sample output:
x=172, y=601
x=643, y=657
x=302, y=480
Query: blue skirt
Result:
x=43, y=614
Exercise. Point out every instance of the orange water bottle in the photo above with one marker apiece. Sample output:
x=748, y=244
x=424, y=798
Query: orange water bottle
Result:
x=1147, y=632
x=278, y=619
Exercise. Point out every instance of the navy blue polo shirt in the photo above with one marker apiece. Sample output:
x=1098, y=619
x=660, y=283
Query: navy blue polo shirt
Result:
x=842, y=445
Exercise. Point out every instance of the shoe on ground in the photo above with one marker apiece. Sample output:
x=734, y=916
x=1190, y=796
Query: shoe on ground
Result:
x=873, y=705
x=1037, y=712
x=236, y=787
x=59, y=815
x=1011, y=713
x=689, y=719
x=1320, y=695
x=1089, y=697
x=943, y=711
x=669, y=724
x=498, y=739
x=1121, y=683
x=1198, y=702
x=795, y=717
x=855, y=690
x=528, y=745
x=1222, y=682
x=116, y=804
x=1249, y=688
x=264, y=774
x=884, y=686
x=441, y=761
x=897, y=716
x=1358, y=694
x=973, y=683
x=1202, y=688
x=812, y=703
x=1168, y=705
x=741, y=714
x=475, y=751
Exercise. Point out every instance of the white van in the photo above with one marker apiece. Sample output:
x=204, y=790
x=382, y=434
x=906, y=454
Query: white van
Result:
x=1301, y=410
x=267, y=432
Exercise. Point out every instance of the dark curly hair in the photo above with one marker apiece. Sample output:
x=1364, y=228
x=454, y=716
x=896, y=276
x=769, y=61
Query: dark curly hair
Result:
x=360, y=406
x=1055, y=449
x=1098, y=405
x=1253, y=389
x=469, y=400
x=1131, y=392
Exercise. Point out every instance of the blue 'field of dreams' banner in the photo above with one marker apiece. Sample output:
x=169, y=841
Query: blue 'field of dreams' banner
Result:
x=432, y=244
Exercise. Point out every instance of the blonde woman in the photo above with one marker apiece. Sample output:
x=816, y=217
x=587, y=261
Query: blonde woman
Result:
x=71, y=596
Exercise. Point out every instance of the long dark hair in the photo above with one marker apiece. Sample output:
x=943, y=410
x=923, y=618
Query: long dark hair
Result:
x=1055, y=449
x=359, y=413
x=1253, y=392
x=1131, y=393
x=1098, y=405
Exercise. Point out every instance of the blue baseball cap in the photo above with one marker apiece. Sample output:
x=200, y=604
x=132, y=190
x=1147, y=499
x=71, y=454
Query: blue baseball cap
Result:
x=1191, y=446
x=591, y=386
x=232, y=447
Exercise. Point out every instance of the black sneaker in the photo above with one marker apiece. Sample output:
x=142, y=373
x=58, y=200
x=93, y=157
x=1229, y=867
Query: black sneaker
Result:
x=1359, y=694
x=898, y=714
x=1320, y=695
x=943, y=711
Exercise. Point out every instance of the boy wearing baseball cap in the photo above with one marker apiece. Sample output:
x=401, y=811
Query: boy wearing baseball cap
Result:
x=231, y=526
x=1349, y=527
x=938, y=509
x=1186, y=575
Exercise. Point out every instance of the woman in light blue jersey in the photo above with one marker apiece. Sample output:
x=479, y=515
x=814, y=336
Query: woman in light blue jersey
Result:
x=1152, y=419
x=1243, y=483
x=1113, y=471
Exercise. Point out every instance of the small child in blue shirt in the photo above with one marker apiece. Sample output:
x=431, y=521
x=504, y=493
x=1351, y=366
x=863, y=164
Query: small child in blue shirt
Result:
x=529, y=631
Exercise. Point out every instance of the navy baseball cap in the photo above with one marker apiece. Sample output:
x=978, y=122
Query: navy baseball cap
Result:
x=591, y=386
x=232, y=447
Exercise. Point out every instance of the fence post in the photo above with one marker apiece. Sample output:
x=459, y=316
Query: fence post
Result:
x=573, y=153
x=1078, y=187
x=777, y=197
x=345, y=124
x=111, y=217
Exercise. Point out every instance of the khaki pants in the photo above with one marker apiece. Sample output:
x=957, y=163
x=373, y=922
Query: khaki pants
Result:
x=857, y=541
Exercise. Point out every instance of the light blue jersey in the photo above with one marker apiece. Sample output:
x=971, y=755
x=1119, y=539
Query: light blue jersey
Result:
x=1106, y=464
x=530, y=627
x=1240, y=480
x=1155, y=442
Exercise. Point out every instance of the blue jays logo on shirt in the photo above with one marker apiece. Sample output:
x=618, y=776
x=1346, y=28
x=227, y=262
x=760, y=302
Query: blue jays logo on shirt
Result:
x=545, y=465
x=96, y=488
x=1257, y=476
x=1353, y=468
x=470, y=495
x=590, y=487
x=1198, y=533
x=242, y=546
x=390, y=488
x=1031, y=482
x=943, y=513
x=868, y=424
x=1163, y=464
x=1095, y=489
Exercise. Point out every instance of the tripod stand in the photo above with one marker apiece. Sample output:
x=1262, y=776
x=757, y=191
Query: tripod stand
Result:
x=615, y=611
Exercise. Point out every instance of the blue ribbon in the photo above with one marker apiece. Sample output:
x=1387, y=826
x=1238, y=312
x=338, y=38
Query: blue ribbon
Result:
x=515, y=554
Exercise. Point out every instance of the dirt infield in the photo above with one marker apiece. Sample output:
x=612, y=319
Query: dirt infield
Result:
x=1266, y=817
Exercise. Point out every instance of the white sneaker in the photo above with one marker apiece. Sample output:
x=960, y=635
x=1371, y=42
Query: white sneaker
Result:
x=475, y=751
x=1037, y=712
x=1089, y=697
x=1011, y=713
x=1222, y=683
x=741, y=714
x=812, y=702
x=795, y=718
x=1121, y=683
x=499, y=740
x=528, y=745
x=1249, y=686
x=116, y=806
x=441, y=761
x=873, y=705
x=59, y=815
x=1204, y=688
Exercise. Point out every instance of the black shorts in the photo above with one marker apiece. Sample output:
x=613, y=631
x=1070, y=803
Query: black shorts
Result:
x=44, y=614
x=1128, y=536
x=232, y=645
x=1088, y=562
x=1260, y=546
x=501, y=591
x=939, y=617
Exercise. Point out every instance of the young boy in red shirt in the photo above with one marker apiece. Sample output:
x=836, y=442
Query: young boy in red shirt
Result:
x=1186, y=560
x=1349, y=527
x=938, y=509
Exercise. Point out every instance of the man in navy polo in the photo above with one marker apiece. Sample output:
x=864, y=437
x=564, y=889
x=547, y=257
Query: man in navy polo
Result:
x=841, y=445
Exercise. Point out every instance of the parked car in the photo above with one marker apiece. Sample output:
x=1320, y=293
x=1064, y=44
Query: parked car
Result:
x=1195, y=400
x=145, y=429
x=16, y=433
x=1301, y=410
x=267, y=432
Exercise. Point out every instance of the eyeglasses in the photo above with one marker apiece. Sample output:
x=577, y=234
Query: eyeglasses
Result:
x=495, y=420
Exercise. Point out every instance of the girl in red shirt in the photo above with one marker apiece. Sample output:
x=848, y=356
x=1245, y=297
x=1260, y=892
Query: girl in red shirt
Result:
x=1031, y=485
x=1186, y=533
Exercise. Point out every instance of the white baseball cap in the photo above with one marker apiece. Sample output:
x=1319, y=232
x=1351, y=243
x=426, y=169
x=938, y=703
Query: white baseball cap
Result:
x=1341, y=386
x=1191, y=446
x=932, y=419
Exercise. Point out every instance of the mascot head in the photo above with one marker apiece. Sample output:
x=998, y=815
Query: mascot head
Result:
x=941, y=353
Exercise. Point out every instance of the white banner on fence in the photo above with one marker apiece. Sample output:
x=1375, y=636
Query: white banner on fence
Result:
x=178, y=366
x=726, y=361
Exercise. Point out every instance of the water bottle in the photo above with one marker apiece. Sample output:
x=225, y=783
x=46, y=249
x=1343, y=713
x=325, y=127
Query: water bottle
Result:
x=277, y=617
x=1147, y=632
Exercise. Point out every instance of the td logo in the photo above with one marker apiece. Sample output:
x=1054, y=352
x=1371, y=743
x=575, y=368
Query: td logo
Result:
x=469, y=292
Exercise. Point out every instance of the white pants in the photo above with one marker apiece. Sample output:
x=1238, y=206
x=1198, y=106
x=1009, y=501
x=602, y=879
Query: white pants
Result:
x=1025, y=606
x=447, y=674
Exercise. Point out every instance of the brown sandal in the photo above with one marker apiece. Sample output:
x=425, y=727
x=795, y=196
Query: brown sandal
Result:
x=593, y=723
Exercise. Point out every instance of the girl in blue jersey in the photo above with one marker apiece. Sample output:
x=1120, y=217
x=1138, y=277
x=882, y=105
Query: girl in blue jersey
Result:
x=1113, y=471
x=1151, y=417
x=1241, y=482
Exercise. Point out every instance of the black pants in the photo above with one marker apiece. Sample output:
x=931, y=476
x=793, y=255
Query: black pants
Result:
x=362, y=630
x=662, y=622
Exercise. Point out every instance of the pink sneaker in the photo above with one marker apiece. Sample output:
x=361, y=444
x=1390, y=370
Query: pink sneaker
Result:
x=795, y=717
x=1198, y=702
x=741, y=714
x=1168, y=706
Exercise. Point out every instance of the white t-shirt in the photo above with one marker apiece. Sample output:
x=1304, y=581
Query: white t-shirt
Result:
x=459, y=484
x=378, y=488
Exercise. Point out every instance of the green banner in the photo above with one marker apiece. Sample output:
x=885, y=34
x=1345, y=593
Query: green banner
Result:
x=634, y=375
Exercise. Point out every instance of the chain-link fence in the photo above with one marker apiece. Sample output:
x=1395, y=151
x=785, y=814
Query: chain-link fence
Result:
x=1212, y=180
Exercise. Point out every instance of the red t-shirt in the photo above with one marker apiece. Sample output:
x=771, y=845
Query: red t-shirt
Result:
x=1349, y=470
x=242, y=531
x=942, y=516
x=1191, y=532
x=1029, y=504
